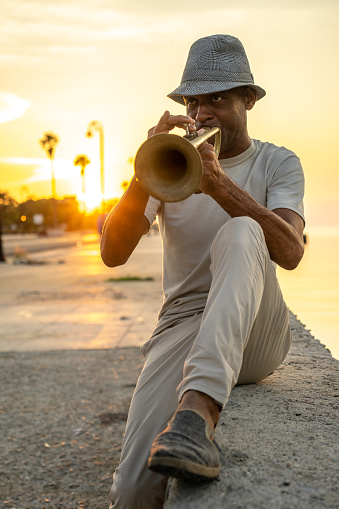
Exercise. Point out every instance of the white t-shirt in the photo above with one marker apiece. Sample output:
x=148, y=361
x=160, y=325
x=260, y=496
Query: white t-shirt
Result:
x=272, y=175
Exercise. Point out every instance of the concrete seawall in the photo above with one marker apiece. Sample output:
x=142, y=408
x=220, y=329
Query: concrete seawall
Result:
x=279, y=439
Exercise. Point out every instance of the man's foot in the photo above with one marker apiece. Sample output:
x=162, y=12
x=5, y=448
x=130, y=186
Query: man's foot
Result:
x=186, y=449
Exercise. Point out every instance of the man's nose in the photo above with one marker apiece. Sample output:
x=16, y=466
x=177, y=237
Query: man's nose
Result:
x=203, y=113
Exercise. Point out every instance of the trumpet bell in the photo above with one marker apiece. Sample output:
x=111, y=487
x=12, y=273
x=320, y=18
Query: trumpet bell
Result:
x=168, y=167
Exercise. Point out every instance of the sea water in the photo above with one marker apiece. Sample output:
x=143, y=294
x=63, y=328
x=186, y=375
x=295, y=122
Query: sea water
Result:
x=311, y=291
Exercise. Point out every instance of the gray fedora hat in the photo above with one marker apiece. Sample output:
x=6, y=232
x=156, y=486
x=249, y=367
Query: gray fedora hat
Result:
x=215, y=63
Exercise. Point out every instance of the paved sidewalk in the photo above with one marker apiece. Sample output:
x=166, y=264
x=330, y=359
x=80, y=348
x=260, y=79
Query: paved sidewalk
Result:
x=72, y=301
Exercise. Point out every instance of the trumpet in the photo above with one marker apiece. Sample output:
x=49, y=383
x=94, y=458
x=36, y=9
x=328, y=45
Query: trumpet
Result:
x=169, y=167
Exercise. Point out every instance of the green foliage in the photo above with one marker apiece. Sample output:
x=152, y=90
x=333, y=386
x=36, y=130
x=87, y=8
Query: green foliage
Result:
x=10, y=210
x=67, y=212
x=81, y=160
x=67, y=209
x=128, y=278
x=48, y=144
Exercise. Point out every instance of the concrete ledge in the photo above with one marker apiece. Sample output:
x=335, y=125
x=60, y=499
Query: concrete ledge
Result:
x=279, y=439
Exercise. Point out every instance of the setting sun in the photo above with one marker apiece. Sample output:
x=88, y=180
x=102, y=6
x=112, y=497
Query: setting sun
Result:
x=90, y=200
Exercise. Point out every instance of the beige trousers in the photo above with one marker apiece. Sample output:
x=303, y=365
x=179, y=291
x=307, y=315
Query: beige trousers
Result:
x=241, y=337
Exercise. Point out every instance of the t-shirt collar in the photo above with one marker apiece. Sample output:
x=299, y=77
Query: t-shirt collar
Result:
x=239, y=159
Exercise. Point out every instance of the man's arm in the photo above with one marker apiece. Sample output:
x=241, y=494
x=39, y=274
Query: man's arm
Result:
x=283, y=228
x=125, y=226
x=126, y=223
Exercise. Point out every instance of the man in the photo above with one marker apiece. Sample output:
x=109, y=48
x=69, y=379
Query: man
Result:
x=223, y=320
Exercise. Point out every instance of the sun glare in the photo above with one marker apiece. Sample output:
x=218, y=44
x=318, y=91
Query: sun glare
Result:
x=90, y=200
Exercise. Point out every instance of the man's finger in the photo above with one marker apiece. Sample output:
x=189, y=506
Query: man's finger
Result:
x=167, y=122
x=170, y=121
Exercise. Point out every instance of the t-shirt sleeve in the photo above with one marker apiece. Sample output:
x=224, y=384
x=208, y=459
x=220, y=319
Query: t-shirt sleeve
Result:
x=152, y=210
x=286, y=188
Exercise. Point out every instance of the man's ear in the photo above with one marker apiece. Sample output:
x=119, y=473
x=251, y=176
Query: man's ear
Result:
x=250, y=98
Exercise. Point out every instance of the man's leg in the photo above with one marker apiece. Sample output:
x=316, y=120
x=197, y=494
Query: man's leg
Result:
x=153, y=404
x=245, y=322
x=244, y=329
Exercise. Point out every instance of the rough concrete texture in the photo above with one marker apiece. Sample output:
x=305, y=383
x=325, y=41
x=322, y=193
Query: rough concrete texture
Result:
x=62, y=419
x=279, y=439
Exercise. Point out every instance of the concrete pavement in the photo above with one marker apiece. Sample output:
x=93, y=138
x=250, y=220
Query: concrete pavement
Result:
x=279, y=439
x=32, y=243
x=72, y=301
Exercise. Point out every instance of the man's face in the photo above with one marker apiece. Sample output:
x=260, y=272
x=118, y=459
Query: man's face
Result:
x=226, y=110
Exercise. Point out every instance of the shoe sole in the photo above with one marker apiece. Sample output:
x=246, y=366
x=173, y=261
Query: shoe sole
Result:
x=174, y=467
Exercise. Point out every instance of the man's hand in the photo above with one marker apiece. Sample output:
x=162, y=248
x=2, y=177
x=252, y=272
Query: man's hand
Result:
x=283, y=228
x=168, y=122
x=212, y=173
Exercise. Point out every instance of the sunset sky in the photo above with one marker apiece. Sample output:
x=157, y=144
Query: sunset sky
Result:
x=65, y=63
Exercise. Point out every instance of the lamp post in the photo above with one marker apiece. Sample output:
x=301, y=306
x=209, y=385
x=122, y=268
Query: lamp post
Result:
x=97, y=126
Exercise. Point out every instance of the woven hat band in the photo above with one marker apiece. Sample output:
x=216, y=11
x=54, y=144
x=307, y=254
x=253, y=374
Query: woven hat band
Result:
x=207, y=75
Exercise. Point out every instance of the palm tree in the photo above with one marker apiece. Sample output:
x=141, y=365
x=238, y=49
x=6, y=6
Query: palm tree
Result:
x=82, y=160
x=48, y=144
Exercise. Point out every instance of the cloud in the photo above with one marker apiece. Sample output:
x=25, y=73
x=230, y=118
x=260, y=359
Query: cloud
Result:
x=41, y=168
x=31, y=30
x=12, y=106
x=24, y=161
x=63, y=169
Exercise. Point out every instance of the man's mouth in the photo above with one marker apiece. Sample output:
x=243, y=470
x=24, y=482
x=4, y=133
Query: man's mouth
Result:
x=204, y=126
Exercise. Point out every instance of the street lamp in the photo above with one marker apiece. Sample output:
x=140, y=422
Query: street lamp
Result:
x=96, y=126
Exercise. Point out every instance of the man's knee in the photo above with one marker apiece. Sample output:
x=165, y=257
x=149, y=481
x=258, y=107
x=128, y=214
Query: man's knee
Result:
x=239, y=232
x=240, y=228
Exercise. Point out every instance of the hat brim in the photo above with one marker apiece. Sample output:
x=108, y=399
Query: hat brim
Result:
x=192, y=88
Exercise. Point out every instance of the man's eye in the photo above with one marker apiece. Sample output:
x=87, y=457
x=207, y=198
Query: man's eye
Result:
x=190, y=101
x=216, y=98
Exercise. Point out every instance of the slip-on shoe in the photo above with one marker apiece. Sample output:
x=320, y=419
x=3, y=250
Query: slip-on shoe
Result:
x=186, y=449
